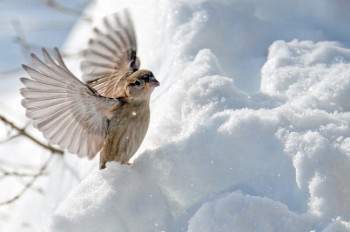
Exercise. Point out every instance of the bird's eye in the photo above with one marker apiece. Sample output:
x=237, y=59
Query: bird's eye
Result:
x=138, y=84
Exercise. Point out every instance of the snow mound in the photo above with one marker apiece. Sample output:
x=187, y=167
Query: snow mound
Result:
x=100, y=202
x=308, y=74
x=218, y=157
x=234, y=212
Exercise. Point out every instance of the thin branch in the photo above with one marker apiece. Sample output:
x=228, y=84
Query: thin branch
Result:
x=9, y=138
x=33, y=188
x=23, y=132
x=65, y=10
x=20, y=176
x=29, y=184
x=16, y=174
x=55, y=6
x=7, y=73
x=21, y=40
x=9, y=163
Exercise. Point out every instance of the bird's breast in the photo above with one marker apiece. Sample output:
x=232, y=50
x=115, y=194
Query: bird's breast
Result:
x=125, y=133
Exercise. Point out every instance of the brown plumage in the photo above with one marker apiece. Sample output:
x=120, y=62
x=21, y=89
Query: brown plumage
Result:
x=110, y=113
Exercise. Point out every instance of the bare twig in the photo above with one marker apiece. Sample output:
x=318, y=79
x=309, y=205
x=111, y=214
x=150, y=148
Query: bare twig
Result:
x=16, y=174
x=24, y=181
x=29, y=184
x=55, y=6
x=23, y=132
x=9, y=163
x=9, y=138
x=26, y=174
x=8, y=73
x=20, y=38
x=65, y=10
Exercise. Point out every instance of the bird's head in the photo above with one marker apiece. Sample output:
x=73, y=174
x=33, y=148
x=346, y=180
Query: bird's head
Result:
x=141, y=84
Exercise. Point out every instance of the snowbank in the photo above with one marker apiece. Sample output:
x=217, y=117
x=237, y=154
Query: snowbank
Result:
x=240, y=140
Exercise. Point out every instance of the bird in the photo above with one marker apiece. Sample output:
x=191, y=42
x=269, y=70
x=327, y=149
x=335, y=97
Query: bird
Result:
x=108, y=112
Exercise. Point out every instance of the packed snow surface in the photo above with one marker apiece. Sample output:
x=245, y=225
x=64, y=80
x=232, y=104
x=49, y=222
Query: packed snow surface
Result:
x=250, y=126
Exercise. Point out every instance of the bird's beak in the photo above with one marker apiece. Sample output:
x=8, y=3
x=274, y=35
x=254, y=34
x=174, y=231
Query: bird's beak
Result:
x=153, y=82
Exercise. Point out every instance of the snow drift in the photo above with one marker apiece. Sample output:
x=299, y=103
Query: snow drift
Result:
x=249, y=130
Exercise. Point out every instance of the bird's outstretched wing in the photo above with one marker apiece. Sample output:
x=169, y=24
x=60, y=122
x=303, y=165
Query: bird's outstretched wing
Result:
x=110, y=54
x=68, y=112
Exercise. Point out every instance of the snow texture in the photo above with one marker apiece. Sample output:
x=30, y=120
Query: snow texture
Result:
x=250, y=126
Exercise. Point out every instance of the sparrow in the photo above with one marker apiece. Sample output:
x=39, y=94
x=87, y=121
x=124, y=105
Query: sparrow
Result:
x=108, y=112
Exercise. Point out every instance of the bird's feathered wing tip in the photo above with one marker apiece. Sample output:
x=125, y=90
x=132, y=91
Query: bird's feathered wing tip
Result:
x=68, y=112
x=113, y=49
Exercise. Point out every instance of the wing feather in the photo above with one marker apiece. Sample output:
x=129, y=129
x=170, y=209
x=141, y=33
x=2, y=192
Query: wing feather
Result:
x=110, y=54
x=67, y=112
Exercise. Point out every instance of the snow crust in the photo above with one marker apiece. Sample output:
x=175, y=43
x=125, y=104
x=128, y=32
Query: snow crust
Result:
x=249, y=130
x=219, y=157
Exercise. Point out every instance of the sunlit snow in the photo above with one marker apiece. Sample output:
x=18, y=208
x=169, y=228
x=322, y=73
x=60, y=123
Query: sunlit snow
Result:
x=249, y=127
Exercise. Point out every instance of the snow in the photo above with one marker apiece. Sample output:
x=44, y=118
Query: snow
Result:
x=142, y=199
x=234, y=211
x=34, y=22
x=249, y=129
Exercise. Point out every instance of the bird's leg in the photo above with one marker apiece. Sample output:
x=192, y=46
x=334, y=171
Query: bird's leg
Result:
x=103, y=162
x=102, y=165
